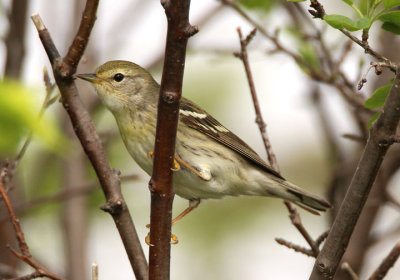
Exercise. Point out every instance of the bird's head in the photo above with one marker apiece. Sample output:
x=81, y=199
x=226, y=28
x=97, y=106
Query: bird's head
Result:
x=122, y=84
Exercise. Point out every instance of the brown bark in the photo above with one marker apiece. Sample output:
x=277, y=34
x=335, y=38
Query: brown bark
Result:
x=162, y=194
x=380, y=139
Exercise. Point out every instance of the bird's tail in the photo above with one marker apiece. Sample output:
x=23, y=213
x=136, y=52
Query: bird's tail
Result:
x=302, y=198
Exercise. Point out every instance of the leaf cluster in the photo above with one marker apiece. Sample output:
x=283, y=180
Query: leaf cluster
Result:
x=368, y=12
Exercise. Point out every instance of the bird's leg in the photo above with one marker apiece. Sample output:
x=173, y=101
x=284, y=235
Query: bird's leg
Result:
x=203, y=174
x=176, y=166
x=193, y=203
x=174, y=239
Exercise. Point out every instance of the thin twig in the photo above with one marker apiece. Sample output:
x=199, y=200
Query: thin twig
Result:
x=343, y=85
x=25, y=254
x=259, y=119
x=296, y=221
x=387, y=263
x=295, y=247
x=378, y=70
x=16, y=225
x=318, y=12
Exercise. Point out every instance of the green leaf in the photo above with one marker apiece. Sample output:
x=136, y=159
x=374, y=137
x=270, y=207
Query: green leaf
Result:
x=296, y=0
x=378, y=98
x=343, y=22
x=391, y=27
x=389, y=4
x=391, y=21
x=373, y=119
x=392, y=17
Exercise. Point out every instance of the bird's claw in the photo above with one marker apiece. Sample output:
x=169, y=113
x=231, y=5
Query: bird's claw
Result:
x=174, y=238
x=176, y=166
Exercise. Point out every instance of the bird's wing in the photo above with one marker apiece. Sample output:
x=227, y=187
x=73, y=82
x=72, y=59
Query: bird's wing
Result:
x=198, y=119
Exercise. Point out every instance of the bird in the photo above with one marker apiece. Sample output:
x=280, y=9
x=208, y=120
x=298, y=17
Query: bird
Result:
x=210, y=161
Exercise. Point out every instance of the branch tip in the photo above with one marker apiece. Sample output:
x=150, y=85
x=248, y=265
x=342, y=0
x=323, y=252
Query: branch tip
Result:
x=38, y=22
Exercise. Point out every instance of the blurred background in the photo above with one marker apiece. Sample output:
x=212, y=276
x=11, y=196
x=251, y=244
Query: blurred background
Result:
x=57, y=196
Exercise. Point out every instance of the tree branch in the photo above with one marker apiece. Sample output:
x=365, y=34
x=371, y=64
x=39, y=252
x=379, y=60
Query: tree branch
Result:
x=259, y=119
x=63, y=69
x=25, y=254
x=377, y=145
x=318, y=12
x=387, y=263
x=160, y=185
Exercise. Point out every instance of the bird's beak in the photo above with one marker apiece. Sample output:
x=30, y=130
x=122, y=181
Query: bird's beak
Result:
x=90, y=77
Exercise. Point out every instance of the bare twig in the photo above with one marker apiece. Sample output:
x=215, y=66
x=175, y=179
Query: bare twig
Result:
x=378, y=70
x=296, y=221
x=63, y=69
x=333, y=77
x=377, y=145
x=259, y=119
x=387, y=263
x=294, y=216
x=25, y=254
x=162, y=194
x=295, y=247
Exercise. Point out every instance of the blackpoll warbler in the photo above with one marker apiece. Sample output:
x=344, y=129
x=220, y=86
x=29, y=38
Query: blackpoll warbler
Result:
x=211, y=161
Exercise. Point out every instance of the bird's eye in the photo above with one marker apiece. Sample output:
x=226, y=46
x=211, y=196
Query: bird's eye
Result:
x=118, y=77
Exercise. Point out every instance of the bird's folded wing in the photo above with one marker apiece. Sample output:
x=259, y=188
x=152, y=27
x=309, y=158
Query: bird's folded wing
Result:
x=198, y=119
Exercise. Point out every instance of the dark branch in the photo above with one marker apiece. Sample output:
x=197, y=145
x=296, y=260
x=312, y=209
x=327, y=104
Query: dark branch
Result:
x=377, y=145
x=162, y=193
x=63, y=69
x=387, y=263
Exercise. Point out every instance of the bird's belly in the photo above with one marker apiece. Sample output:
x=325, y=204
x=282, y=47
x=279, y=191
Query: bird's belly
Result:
x=224, y=177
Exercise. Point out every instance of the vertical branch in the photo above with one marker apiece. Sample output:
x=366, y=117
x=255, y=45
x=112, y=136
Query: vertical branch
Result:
x=380, y=138
x=162, y=194
x=63, y=69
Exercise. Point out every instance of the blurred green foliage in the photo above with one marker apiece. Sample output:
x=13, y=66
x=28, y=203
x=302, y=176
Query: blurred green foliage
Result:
x=19, y=116
x=258, y=5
